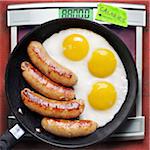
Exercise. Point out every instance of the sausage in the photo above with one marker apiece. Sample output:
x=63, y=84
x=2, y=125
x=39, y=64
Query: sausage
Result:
x=69, y=128
x=48, y=66
x=51, y=108
x=44, y=85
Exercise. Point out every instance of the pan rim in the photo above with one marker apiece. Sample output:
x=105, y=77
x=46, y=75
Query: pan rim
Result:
x=20, y=122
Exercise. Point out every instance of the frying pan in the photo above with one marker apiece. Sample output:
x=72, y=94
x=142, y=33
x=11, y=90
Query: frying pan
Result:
x=29, y=121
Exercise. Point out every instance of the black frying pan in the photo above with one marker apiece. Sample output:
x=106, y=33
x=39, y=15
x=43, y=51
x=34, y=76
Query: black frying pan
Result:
x=29, y=121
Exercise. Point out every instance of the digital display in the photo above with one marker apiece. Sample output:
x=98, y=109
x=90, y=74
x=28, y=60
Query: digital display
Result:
x=85, y=13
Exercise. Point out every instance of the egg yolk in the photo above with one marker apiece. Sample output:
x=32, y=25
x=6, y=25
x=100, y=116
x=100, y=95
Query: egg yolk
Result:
x=75, y=47
x=102, y=96
x=102, y=63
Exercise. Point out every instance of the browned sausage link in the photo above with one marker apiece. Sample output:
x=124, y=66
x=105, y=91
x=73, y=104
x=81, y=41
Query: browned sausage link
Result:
x=51, y=108
x=49, y=66
x=44, y=85
x=69, y=128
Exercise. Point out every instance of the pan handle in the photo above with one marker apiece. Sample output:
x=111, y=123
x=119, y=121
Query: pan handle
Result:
x=11, y=137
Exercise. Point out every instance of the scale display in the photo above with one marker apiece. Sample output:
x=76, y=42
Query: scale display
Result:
x=85, y=13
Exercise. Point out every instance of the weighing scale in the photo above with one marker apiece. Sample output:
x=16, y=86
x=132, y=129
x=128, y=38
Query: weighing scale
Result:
x=22, y=18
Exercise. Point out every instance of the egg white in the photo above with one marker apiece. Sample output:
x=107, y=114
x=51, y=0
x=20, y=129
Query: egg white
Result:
x=53, y=45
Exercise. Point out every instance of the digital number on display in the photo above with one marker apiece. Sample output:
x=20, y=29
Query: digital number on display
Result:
x=85, y=13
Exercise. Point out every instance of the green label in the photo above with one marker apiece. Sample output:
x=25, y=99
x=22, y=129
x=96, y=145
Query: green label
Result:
x=85, y=13
x=112, y=15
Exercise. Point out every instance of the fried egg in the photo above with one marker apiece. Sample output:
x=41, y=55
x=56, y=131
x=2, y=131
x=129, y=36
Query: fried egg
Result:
x=102, y=80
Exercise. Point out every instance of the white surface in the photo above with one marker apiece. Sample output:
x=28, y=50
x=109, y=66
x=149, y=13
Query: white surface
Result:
x=139, y=55
x=13, y=37
x=39, y=16
x=73, y=4
x=134, y=129
x=17, y=131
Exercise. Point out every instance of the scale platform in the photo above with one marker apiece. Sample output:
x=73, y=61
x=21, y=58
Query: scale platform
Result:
x=22, y=18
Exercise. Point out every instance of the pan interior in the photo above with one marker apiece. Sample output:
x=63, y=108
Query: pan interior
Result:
x=15, y=83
